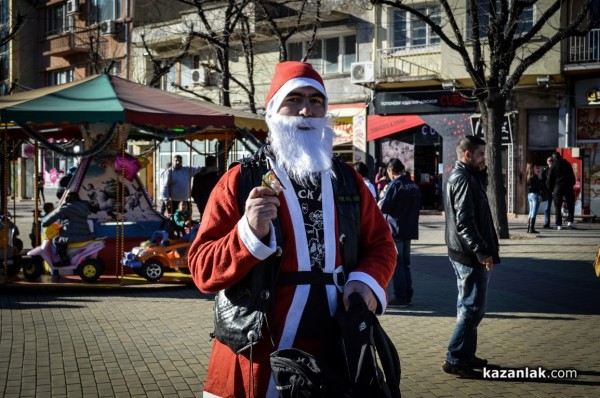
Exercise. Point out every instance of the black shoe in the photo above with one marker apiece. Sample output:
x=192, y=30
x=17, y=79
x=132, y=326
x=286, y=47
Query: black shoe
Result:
x=461, y=371
x=398, y=303
x=478, y=362
x=547, y=226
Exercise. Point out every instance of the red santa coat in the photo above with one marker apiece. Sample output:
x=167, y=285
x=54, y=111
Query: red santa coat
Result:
x=224, y=252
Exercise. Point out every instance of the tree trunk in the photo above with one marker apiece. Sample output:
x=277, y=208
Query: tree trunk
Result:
x=492, y=117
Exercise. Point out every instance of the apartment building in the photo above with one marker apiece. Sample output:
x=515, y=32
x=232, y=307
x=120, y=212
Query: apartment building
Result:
x=423, y=100
x=396, y=89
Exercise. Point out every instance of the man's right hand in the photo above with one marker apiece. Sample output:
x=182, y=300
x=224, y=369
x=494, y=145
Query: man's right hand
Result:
x=488, y=263
x=261, y=208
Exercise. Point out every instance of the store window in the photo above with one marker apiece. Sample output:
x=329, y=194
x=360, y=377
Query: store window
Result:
x=104, y=10
x=542, y=129
x=327, y=56
x=409, y=31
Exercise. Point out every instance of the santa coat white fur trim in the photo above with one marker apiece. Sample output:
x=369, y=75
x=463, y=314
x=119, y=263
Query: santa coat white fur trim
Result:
x=301, y=293
x=254, y=245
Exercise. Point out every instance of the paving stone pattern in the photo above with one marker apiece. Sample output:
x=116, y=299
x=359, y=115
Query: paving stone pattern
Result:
x=544, y=310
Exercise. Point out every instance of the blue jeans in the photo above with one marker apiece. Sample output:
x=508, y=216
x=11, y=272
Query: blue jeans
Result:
x=534, y=204
x=472, y=285
x=402, y=279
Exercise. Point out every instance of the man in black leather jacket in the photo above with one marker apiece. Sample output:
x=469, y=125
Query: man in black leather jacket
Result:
x=561, y=180
x=473, y=250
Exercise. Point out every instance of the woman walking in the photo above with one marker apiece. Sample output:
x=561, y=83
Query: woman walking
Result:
x=534, y=190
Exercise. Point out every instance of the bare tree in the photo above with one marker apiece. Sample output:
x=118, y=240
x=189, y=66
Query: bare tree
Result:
x=8, y=33
x=230, y=29
x=495, y=25
x=306, y=15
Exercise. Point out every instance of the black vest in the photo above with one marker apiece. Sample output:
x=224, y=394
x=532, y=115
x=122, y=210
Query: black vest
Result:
x=240, y=311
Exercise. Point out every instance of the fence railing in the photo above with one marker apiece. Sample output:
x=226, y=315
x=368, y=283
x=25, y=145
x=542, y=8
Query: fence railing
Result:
x=409, y=62
x=66, y=43
x=585, y=48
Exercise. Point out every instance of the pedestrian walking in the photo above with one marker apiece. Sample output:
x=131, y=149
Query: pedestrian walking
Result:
x=401, y=206
x=534, y=189
x=546, y=193
x=561, y=181
x=363, y=170
x=177, y=186
x=473, y=250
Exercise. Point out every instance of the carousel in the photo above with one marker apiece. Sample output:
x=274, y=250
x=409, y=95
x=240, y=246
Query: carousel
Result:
x=104, y=113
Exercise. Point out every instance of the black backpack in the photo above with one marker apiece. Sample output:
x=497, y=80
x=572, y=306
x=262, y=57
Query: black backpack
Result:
x=362, y=342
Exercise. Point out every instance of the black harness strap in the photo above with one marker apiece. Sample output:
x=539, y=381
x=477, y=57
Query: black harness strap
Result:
x=310, y=278
x=348, y=211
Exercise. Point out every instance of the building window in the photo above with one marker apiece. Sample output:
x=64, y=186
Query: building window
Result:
x=327, y=56
x=104, y=10
x=60, y=77
x=524, y=25
x=542, y=129
x=57, y=20
x=409, y=31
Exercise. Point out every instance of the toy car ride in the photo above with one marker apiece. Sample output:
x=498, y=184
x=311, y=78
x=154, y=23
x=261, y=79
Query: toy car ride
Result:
x=153, y=257
x=83, y=259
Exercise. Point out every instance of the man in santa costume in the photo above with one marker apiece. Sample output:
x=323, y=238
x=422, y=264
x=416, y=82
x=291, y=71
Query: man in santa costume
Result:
x=233, y=241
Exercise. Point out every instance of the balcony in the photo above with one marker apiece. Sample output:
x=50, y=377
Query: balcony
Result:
x=66, y=43
x=583, y=52
x=401, y=64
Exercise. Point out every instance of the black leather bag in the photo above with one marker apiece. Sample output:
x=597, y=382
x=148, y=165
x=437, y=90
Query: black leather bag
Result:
x=240, y=311
x=299, y=374
x=357, y=373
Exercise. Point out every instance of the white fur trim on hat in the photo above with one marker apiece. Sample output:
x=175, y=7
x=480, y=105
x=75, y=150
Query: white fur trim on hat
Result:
x=288, y=87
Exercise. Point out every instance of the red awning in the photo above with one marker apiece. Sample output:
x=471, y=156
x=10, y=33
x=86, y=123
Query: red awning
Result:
x=379, y=126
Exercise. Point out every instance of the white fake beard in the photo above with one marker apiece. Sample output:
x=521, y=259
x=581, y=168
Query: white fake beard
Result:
x=302, y=146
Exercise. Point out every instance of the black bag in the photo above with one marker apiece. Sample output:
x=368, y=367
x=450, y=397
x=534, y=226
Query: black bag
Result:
x=362, y=340
x=299, y=374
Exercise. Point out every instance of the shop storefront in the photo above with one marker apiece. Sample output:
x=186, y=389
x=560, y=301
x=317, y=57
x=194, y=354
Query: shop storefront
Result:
x=587, y=133
x=421, y=129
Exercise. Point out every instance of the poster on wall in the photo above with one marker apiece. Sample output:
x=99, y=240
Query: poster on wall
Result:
x=391, y=148
x=588, y=124
x=359, y=138
x=593, y=171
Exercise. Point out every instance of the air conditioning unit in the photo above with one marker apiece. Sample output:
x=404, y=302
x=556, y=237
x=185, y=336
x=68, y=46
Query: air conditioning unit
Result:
x=362, y=72
x=72, y=7
x=108, y=28
x=200, y=76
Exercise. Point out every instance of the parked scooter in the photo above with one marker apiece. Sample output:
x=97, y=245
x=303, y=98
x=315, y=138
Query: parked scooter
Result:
x=83, y=257
x=10, y=242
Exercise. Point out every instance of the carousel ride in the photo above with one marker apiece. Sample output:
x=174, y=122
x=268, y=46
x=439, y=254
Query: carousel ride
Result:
x=106, y=113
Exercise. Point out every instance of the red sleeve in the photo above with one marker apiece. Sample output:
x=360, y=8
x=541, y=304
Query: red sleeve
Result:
x=218, y=258
x=377, y=251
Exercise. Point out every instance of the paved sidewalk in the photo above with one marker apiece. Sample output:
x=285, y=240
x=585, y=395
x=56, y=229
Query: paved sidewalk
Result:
x=544, y=311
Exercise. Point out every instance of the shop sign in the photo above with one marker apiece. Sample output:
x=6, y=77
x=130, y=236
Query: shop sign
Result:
x=398, y=103
x=593, y=96
x=477, y=128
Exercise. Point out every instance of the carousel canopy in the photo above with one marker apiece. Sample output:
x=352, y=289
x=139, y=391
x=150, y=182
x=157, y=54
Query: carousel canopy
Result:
x=110, y=99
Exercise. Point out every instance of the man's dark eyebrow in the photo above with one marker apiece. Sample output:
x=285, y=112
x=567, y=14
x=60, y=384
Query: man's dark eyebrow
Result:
x=299, y=94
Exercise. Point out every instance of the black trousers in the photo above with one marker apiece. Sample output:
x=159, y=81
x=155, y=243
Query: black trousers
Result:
x=569, y=196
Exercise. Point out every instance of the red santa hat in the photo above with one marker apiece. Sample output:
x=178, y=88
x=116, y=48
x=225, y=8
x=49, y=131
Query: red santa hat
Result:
x=288, y=76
